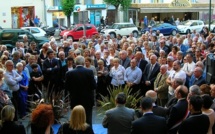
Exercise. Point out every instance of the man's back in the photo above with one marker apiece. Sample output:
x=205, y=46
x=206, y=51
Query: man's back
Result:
x=149, y=124
x=118, y=120
x=80, y=83
x=195, y=124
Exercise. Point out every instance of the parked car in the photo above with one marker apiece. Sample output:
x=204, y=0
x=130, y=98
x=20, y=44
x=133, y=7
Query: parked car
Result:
x=78, y=31
x=164, y=28
x=9, y=37
x=124, y=29
x=191, y=25
x=36, y=31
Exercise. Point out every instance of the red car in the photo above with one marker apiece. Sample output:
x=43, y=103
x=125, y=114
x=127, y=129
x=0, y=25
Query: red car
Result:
x=78, y=31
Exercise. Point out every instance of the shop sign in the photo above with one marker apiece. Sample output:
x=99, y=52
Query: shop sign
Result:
x=93, y=6
x=78, y=8
x=55, y=8
x=180, y=4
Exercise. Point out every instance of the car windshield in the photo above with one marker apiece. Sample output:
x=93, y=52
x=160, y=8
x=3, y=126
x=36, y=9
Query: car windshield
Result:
x=188, y=23
x=114, y=26
x=158, y=25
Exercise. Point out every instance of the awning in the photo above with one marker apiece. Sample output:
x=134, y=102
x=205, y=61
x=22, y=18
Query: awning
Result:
x=170, y=10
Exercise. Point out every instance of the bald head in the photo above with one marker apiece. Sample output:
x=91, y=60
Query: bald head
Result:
x=163, y=69
x=151, y=94
x=181, y=92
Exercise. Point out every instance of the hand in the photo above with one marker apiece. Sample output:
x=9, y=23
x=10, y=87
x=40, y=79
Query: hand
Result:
x=147, y=83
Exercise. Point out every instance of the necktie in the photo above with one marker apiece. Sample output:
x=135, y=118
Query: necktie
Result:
x=150, y=71
x=159, y=80
x=51, y=62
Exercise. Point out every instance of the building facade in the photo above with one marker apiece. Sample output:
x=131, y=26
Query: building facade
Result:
x=17, y=13
x=162, y=10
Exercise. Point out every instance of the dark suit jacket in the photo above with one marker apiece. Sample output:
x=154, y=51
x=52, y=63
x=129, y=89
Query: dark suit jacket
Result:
x=149, y=124
x=177, y=113
x=80, y=83
x=199, y=82
x=50, y=74
x=153, y=75
x=142, y=64
x=195, y=124
x=159, y=111
x=125, y=63
x=10, y=127
x=165, y=48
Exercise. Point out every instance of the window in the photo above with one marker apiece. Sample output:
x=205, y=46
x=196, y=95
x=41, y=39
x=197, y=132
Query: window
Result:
x=57, y=3
x=79, y=28
x=8, y=36
x=35, y=30
x=156, y=1
x=194, y=24
x=200, y=23
x=88, y=2
x=88, y=27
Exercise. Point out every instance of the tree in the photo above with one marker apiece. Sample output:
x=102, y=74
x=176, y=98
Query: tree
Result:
x=125, y=4
x=68, y=8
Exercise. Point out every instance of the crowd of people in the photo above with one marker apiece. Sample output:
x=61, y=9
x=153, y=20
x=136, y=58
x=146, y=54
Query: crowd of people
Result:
x=172, y=68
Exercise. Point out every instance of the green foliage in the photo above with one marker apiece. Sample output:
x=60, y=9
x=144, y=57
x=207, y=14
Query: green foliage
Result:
x=68, y=6
x=108, y=103
x=124, y=3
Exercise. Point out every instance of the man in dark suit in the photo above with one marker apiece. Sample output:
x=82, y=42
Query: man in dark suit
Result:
x=141, y=63
x=197, y=123
x=198, y=78
x=150, y=73
x=157, y=110
x=118, y=120
x=179, y=111
x=50, y=69
x=162, y=46
x=124, y=60
x=80, y=83
x=148, y=123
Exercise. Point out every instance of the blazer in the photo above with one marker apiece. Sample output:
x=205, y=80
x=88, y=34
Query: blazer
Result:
x=159, y=111
x=151, y=45
x=165, y=48
x=162, y=86
x=177, y=113
x=118, y=120
x=54, y=65
x=196, y=124
x=153, y=74
x=81, y=84
x=149, y=124
x=10, y=127
x=142, y=64
x=198, y=82
x=126, y=63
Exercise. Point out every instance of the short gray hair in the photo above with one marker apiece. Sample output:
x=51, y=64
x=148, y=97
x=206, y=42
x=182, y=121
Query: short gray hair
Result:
x=195, y=90
x=79, y=60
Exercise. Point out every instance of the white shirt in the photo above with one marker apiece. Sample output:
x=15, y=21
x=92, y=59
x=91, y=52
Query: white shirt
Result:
x=117, y=75
x=173, y=74
x=189, y=67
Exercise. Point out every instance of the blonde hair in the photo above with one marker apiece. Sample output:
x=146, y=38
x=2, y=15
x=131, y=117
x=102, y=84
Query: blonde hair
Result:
x=78, y=118
x=7, y=113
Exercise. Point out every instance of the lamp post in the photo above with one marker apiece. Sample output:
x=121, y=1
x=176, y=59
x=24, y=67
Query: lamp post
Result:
x=209, y=26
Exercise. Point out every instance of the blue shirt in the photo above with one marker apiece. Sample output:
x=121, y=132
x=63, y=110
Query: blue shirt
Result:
x=25, y=80
x=133, y=75
x=193, y=78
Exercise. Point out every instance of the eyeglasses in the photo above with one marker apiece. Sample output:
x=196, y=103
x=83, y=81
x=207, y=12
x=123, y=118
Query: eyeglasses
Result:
x=4, y=59
x=185, y=59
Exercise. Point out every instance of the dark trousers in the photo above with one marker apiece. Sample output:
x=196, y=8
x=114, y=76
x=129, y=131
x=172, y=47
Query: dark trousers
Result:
x=15, y=101
x=89, y=112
